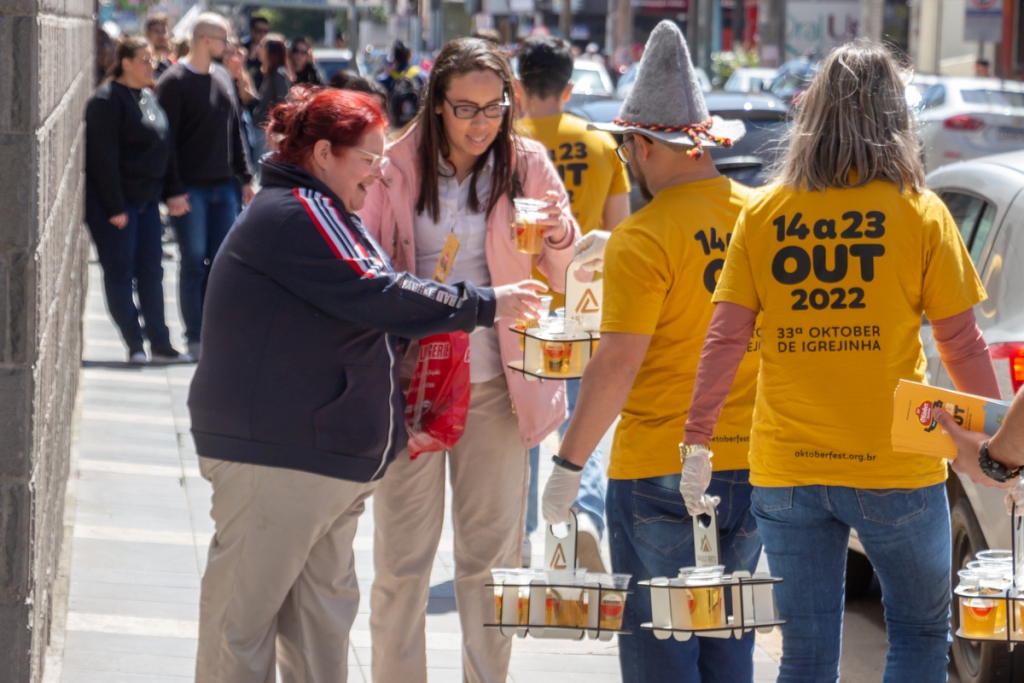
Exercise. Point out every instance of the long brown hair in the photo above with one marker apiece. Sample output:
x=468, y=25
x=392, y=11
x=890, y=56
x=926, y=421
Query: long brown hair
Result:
x=854, y=125
x=458, y=57
x=275, y=52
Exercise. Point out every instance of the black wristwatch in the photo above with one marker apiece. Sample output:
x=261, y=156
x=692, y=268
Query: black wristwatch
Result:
x=992, y=469
x=565, y=464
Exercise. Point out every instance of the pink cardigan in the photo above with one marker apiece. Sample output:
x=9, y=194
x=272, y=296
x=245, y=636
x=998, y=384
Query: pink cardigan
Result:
x=540, y=406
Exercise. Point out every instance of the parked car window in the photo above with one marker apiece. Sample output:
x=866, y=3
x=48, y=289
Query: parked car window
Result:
x=998, y=98
x=934, y=96
x=981, y=233
x=975, y=218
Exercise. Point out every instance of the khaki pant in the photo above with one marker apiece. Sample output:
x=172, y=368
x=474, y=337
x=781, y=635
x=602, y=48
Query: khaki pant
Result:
x=489, y=478
x=280, y=568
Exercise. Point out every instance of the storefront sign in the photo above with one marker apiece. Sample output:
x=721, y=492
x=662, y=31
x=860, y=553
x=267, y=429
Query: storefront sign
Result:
x=661, y=5
x=984, y=21
x=817, y=27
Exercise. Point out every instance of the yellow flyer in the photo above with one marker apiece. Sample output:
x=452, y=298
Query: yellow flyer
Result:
x=915, y=430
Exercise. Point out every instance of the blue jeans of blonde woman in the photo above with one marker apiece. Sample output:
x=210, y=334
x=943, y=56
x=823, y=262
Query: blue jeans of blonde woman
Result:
x=906, y=535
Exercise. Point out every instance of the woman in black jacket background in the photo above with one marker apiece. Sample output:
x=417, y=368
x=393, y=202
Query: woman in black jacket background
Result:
x=126, y=159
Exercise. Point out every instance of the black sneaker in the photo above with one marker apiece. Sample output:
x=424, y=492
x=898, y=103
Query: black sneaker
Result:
x=170, y=356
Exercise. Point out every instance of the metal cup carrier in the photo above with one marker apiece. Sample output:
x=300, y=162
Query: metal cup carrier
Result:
x=582, y=331
x=753, y=602
x=559, y=554
x=1011, y=597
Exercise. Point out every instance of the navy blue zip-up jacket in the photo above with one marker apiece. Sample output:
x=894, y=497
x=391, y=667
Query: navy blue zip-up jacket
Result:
x=299, y=368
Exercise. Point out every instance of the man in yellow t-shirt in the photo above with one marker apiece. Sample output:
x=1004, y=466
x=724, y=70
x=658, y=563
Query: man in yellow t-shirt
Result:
x=598, y=187
x=661, y=267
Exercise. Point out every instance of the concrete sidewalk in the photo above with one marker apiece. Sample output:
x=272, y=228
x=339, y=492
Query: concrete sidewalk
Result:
x=141, y=528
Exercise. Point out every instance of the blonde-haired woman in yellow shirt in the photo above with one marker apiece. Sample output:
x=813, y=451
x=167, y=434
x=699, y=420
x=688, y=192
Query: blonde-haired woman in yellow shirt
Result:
x=843, y=254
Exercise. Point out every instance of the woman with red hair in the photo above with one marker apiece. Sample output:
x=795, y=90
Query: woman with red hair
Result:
x=296, y=408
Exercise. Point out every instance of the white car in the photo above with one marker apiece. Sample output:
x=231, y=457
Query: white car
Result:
x=589, y=78
x=332, y=60
x=916, y=86
x=626, y=81
x=986, y=199
x=967, y=118
x=750, y=79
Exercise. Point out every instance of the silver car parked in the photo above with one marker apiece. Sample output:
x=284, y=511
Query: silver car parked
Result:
x=967, y=118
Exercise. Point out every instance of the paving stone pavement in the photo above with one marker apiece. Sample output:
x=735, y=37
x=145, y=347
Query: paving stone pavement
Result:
x=142, y=526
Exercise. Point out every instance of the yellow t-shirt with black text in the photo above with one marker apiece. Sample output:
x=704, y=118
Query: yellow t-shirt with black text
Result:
x=660, y=270
x=586, y=162
x=843, y=277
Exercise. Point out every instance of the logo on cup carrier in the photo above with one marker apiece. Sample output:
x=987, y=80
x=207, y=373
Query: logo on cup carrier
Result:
x=588, y=303
x=558, y=559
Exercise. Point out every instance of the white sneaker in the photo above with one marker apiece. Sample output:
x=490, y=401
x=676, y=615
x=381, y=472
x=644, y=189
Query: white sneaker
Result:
x=138, y=358
x=527, y=554
x=588, y=545
x=195, y=350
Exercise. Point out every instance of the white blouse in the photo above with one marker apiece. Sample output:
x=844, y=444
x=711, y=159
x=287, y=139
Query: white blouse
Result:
x=470, y=261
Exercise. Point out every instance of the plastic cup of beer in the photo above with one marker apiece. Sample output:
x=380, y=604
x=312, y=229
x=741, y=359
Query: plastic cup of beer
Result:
x=500, y=576
x=521, y=578
x=1004, y=556
x=612, y=598
x=564, y=604
x=994, y=575
x=977, y=614
x=706, y=600
x=523, y=324
x=527, y=230
x=557, y=356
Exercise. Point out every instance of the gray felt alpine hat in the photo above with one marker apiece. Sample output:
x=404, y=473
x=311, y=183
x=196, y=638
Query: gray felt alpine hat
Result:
x=666, y=101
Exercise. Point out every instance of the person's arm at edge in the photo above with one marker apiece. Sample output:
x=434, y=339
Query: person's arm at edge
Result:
x=169, y=96
x=604, y=389
x=1007, y=446
x=724, y=345
x=967, y=360
x=102, y=131
x=616, y=210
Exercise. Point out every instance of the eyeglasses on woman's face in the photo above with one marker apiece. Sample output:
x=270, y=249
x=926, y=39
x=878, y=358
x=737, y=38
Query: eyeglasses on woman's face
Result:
x=376, y=161
x=469, y=111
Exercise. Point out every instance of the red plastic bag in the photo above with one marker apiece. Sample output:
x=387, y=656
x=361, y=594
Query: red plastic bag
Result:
x=438, y=399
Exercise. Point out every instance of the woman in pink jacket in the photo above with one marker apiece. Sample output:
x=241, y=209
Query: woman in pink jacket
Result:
x=454, y=172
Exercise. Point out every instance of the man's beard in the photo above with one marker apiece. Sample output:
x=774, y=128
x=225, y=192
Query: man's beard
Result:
x=641, y=181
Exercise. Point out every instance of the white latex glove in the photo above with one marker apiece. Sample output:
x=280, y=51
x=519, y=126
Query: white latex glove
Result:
x=1015, y=494
x=694, y=482
x=559, y=494
x=588, y=252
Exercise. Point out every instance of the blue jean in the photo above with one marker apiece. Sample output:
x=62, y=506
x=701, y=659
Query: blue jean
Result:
x=593, y=483
x=132, y=259
x=906, y=535
x=652, y=535
x=200, y=233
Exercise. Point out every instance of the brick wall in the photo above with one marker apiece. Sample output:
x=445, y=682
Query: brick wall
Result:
x=46, y=66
